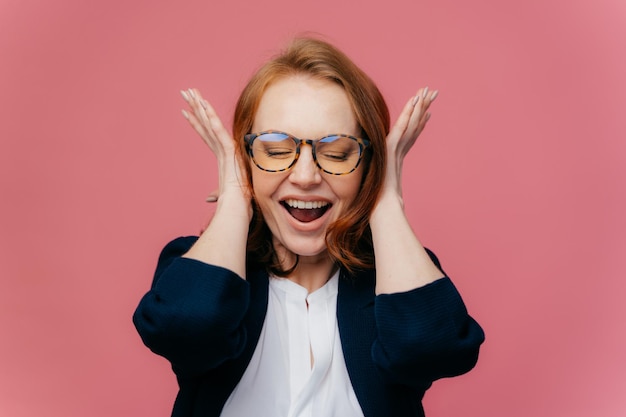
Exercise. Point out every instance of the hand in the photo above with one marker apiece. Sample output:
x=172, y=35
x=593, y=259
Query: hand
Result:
x=402, y=263
x=403, y=135
x=223, y=242
x=205, y=121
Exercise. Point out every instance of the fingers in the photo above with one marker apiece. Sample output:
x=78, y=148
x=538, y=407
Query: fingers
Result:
x=403, y=119
x=423, y=99
x=213, y=119
x=194, y=116
x=203, y=118
x=195, y=101
x=420, y=115
x=415, y=113
x=205, y=121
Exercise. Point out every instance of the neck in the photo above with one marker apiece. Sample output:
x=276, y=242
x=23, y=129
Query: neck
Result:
x=312, y=272
x=312, y=275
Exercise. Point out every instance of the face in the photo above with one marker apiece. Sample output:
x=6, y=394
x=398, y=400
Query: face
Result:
x=299, y=204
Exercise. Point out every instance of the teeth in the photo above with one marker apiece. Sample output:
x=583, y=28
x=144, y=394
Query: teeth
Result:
x=305, y=204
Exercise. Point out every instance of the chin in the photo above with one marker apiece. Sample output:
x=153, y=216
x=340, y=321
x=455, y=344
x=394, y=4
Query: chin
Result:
x=305, y=247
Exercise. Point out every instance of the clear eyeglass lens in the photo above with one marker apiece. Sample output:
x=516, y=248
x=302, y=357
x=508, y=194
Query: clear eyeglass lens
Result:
x=337, y=154
x=276, y=151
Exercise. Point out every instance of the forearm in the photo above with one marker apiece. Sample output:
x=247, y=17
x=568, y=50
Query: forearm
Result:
x=193, y=313
x=402, y=263
x=425, y=334
x=223, y=243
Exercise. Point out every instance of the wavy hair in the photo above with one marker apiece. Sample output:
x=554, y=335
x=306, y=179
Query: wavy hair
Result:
x=348, y=239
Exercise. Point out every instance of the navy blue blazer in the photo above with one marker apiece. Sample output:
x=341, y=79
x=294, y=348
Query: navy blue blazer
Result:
x=206, y=321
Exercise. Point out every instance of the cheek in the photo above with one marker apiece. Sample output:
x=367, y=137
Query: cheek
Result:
x=258, y=183
x=259, y=192
x=353, y=188
x=264, y=185
x=354, y=192
x=348, y=189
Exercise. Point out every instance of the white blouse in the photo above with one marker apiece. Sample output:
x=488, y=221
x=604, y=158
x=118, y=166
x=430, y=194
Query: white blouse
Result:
x=280, y=381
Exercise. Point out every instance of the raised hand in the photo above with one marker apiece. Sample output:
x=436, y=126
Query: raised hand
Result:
x=223, y=242
x=206, y=122
x=401, y=261
x=403, y=135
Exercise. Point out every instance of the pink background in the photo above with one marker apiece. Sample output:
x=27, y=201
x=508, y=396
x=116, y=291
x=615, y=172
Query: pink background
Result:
x=518, y=184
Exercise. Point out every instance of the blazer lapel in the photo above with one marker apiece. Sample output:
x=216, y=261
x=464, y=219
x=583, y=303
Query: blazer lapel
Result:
x=357, y=329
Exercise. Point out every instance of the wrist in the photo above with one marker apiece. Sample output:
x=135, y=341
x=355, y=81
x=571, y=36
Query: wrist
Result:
x=236, y=203
x=390, y=203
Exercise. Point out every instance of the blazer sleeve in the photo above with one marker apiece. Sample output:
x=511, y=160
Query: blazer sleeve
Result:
x=425, y=334
x=192, y=314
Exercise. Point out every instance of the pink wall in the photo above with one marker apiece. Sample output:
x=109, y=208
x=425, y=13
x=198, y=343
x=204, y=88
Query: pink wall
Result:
x=518, y=184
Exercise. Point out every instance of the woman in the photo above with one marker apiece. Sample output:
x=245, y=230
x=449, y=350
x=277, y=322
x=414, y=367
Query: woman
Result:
x=308, y=293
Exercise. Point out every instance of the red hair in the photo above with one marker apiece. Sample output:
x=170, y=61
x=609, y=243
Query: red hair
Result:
x=348, y=239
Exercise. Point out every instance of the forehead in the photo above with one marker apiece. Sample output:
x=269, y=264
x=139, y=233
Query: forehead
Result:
x=305, y=107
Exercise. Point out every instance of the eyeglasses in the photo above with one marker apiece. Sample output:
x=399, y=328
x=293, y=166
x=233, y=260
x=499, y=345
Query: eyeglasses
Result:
x=275, y=151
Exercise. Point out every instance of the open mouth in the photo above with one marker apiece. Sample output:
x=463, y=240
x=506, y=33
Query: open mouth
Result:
x=306, y=211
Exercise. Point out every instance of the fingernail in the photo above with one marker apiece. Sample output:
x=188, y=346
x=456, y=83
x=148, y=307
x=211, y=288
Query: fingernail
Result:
x=433, y=96
x=204, y=104
x=191, y=93
x=415, y=100
x=425, y=92
x=185, y=114
x=211, y=199
x=185, y=96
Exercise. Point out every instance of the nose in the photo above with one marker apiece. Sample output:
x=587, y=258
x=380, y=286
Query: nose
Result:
x=305, y=172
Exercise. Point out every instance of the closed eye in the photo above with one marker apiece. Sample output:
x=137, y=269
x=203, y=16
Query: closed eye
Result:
x=278, y=153
x=335, y=156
